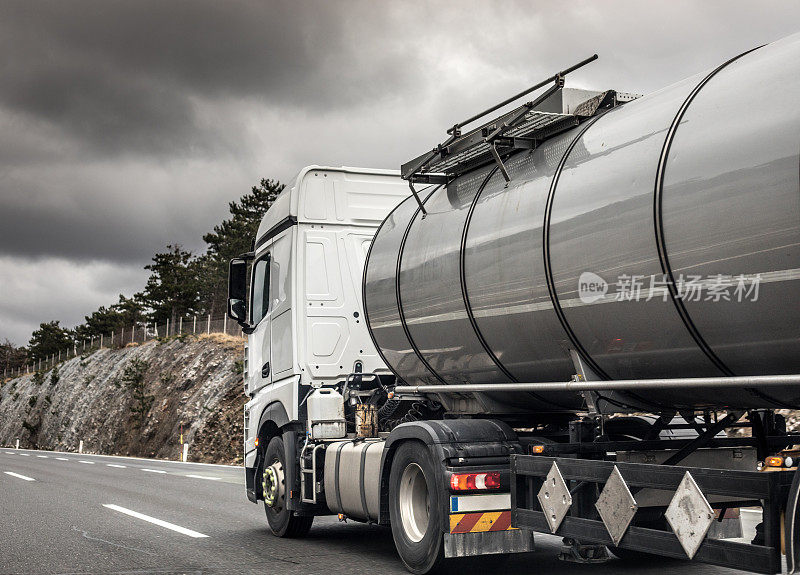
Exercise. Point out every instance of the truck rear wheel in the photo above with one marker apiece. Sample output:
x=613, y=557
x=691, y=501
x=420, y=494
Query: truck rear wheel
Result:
x=282, y=521
x=415, y=509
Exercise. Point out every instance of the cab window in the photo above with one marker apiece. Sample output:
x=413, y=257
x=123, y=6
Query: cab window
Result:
x=260, y=296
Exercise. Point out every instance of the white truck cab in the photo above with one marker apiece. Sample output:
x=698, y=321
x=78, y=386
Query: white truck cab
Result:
x=305, y=308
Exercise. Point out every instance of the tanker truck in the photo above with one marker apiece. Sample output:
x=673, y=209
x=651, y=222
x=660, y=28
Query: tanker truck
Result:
x=579, y=317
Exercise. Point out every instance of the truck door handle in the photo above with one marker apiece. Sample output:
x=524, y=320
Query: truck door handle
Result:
x=265, y=370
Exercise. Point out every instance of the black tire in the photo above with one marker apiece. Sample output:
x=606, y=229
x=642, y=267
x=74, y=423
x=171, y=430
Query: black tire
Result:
x=418, y=541
x=282, y=522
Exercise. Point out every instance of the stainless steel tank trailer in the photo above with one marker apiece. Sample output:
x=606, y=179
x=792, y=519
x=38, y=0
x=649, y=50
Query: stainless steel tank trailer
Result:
x=547, y=323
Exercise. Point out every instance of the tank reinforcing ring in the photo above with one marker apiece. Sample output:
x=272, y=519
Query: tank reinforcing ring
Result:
x=465, y=294
x=364, y=287
x=663, y=256
x=400, y=299
x=548, y=269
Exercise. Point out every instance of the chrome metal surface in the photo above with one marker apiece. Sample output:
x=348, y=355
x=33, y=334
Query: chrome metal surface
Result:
x=728, y=208
x=554, y=497
x=356, y=478
x=750, y=220
x=430, y=286
x=749, y=381
x=690, y=515
x=616, y=506
x=414, y=502
x=381, y=307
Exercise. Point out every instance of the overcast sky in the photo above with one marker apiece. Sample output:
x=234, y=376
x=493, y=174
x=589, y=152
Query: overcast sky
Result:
x=125, y=126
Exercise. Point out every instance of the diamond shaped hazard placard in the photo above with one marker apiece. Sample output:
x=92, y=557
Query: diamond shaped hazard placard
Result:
x=616, y=506
x=690, y=515
x=554, y=498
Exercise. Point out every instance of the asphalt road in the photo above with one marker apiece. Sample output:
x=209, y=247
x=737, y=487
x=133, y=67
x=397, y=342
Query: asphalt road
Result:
x=68, y=513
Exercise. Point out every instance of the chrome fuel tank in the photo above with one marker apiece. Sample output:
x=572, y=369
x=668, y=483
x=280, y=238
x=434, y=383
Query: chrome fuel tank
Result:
x=660, y=239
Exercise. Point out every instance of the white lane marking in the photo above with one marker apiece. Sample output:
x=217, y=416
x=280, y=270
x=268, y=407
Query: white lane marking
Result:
x=84, y=461
x=25, y=454
x=62, y=458
x=18, y=476
x=155, y=521
x=164, y=461
x=115, y=465
x=154, y=470
x=203, y=477
x=42, y=456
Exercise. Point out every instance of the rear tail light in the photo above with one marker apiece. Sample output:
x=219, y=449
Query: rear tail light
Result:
x=474, y=481
x=774, y=461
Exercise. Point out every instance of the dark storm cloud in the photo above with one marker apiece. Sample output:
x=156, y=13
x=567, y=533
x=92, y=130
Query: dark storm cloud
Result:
x=125, y=126
x=124, y=75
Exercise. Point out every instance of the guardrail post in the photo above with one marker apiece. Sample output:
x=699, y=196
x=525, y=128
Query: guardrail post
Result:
x=208, y=326
x=80, y=446
x=185, y=452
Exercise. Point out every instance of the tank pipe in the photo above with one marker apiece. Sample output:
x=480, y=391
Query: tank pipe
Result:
x=617, y=385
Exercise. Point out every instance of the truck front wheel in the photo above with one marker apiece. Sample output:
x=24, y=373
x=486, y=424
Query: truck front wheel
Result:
x=414, y=508
x=282, y=521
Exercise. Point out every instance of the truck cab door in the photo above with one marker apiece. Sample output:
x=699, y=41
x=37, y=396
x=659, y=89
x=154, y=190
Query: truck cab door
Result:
x=260, y=339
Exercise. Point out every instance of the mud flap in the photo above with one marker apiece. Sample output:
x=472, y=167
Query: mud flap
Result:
x=487, y=543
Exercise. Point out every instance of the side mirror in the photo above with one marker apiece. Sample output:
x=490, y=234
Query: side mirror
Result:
x=237, y=291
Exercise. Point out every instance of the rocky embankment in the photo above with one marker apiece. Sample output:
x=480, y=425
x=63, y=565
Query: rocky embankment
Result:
x=134, y=401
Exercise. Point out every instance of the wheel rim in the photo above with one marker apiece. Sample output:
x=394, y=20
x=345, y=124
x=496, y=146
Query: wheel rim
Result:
x=414, y=502
x=272, y=485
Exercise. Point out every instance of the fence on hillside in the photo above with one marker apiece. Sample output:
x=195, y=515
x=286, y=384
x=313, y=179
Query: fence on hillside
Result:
x=135, y=334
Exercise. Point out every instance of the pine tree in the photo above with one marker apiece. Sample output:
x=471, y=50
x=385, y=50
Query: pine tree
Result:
x=172, y=289
x=107, y=320
x=49, y=339
x=11, y=357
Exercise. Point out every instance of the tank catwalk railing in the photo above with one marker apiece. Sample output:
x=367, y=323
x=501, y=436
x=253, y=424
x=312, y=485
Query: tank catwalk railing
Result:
x=130, y=336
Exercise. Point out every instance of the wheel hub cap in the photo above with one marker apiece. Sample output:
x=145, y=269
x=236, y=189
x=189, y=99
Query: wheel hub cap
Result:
x=272, y=484
x=414, y=502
